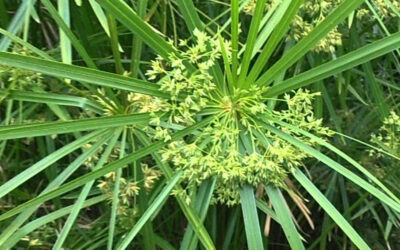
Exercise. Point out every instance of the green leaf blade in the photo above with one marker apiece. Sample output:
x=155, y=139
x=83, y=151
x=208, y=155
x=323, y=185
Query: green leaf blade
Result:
x=285, y=218
x=250, y=217
x=83, y=74
x=331, y=210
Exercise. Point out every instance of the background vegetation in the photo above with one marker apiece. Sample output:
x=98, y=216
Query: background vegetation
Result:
x=199, y=124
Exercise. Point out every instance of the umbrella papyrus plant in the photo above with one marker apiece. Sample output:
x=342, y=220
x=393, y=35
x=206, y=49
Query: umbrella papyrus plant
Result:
x=219, y=115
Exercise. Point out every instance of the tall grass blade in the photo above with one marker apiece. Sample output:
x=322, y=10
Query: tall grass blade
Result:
x=251, y=39
x=190, y=15
x=286, y=12
x=16, y=23
x=250, y=217
x=68, y=33
x=65, y=44
x=52, y=128
x=91, y=76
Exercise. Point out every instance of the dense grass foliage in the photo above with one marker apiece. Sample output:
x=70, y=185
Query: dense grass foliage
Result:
x=199, y=124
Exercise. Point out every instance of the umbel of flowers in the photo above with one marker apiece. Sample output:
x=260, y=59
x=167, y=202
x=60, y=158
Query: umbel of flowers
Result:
x=14, y=78
x=387, y=139
x=229, y=148
x=388, y=136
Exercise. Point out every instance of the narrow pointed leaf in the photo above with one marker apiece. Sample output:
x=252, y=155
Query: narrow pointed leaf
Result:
x=48, y=218
x=307, y=43
x=289, y=9
x=84, y=193
x=135, y=24
x=330, y=210
x=341, y=154
x=45, y=162
x=50, y=128
x=61, y=178
x=284, y=216
x=51, y=98
x=83, y=74
x=335, y=166
x=346, y=62
x=250, y=217
x=190, y=15
x=251, y=39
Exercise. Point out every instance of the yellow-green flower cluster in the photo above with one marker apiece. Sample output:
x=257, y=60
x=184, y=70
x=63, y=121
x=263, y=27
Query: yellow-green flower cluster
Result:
x=387, y=8
x=92, y=160
x=310, y=15
x=128, y=190
x=250, y=7
x=388, y=139
x=388, y=136
x=36, y=239
x=109, y=106
x=190, y=87
x=217, y=150
x=140, y=103
x=301, y=28
x=229, y=148
x=15, y=78
x=300, y=112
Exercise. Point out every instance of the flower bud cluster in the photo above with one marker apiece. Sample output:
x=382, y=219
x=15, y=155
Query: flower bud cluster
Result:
x=15, y=78
x=190, y=87
x=128, y=191
x=388, y=136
